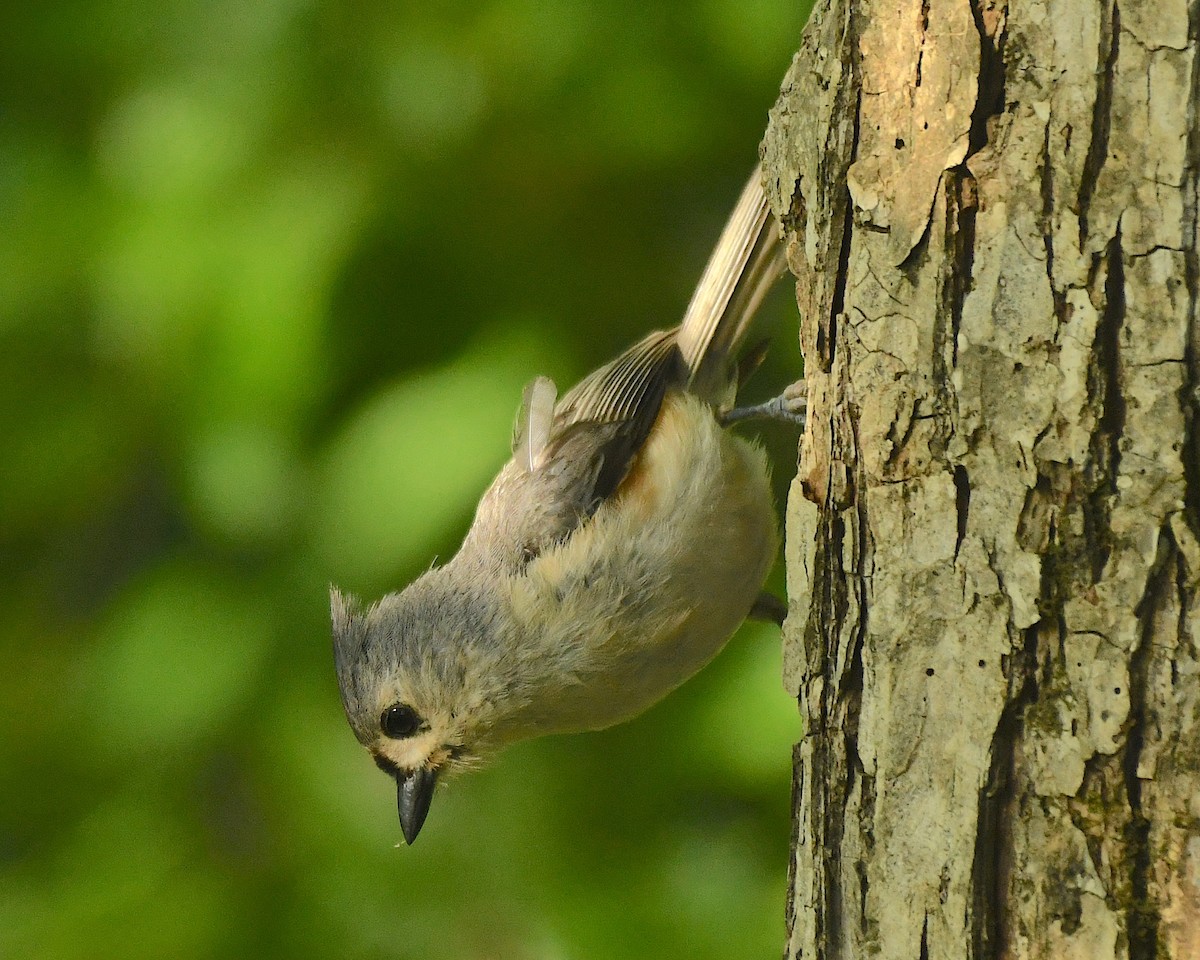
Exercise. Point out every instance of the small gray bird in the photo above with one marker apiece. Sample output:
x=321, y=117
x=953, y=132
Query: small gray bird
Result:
x=611, y=558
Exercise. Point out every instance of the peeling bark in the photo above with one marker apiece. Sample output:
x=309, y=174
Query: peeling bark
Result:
x=992, y=543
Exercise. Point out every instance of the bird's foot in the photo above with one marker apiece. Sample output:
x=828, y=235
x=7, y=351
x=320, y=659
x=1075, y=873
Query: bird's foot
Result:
x=791, y=406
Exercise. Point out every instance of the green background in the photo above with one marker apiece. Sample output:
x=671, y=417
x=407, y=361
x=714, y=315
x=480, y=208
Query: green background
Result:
x=272, y=277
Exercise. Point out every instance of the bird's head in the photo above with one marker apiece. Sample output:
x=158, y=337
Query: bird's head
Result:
x=409, y=682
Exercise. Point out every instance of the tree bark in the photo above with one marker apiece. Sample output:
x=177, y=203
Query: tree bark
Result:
x=992, y=537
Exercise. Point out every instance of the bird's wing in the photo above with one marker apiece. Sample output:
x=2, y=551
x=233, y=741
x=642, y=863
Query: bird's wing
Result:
x=604, y=420
x=571, y=456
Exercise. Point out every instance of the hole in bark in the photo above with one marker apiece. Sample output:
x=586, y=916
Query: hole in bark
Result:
x=983, y=663
x=899, y=143
x=929, y=671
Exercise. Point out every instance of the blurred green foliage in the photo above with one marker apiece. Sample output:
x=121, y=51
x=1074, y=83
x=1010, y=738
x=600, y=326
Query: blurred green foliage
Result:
x=272, y=276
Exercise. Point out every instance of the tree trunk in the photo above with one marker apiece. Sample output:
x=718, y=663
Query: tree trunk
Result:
x=992, y=536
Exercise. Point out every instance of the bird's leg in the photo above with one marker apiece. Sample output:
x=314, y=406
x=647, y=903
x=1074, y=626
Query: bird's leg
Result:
x=769, y=608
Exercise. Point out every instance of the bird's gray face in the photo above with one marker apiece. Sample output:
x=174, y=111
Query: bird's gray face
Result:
x=400, y=703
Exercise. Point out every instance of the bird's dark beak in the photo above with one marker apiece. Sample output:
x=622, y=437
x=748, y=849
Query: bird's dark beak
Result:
x=414, y=791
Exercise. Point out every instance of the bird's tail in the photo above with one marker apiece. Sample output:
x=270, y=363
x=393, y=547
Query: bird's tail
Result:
x=746, y=262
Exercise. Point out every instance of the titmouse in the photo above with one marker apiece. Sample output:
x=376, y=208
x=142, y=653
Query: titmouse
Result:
x=611, y=558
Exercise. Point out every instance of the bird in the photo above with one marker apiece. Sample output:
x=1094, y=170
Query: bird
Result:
x=611, y=558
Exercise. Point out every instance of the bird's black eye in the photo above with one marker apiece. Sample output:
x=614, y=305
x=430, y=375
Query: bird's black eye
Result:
x=400, y=721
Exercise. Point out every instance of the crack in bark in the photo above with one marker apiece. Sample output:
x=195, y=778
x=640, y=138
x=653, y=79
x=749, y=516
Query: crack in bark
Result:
x=1110, y=42
x=1142, y=917
x=914, y=261
x=836, y=770
x=990, y=96
x=1104, y=389
x=798, y=785
x=989, y=867
x=837, y=304
x=1047, y=227
x=958, y=278
x=831, y=785
x=1191, y=215
x=966, y=204
x=924, y=32
x=867, y=823
x=962, y=504
x=851, y=693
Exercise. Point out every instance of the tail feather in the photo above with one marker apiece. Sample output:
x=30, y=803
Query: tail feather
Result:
x=746, y=262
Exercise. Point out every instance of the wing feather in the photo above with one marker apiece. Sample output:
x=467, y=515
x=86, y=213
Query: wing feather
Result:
x=604, y=420
x=535, y=422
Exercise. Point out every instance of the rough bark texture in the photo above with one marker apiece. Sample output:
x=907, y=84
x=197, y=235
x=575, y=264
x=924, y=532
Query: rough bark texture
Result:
x=992, y=537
